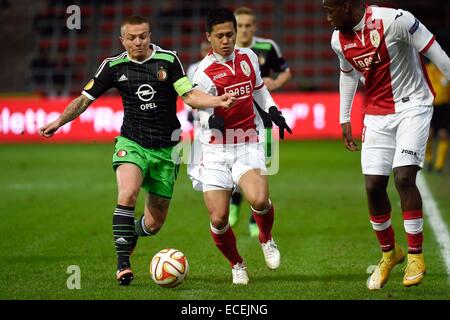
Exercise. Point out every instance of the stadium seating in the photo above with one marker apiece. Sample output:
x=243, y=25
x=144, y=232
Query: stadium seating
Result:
x=299, y=27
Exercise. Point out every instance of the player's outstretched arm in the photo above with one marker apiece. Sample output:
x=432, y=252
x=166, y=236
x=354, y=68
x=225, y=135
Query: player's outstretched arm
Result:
x=72, y=111
x=200, y=100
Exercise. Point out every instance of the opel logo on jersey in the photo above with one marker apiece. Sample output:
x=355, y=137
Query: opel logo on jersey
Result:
x=145, y=92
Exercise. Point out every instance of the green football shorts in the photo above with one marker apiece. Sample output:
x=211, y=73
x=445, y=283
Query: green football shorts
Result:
x=158, y=168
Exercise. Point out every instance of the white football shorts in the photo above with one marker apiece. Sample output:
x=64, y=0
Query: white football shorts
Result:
x=222, y=165
x=395, y=140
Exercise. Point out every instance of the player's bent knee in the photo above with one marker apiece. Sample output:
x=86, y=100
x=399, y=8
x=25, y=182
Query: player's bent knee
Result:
x=260, y=203
x=218, y=222
x=128, y=197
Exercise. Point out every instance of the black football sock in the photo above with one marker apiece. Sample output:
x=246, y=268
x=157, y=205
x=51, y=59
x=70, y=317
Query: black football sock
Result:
x=123, y=230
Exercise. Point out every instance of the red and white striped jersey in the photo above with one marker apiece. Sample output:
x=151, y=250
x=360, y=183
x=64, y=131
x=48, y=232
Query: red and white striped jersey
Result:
x=238, y=73
x=384, y=48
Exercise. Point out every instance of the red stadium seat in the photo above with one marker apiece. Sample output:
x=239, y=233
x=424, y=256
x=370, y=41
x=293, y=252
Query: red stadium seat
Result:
x=46, y=13
x=290, y=38
x=291, y=55
x=145, y=11
x=63, y=44
x=308, y=55
x=291, y=7
x=107, y=26
x=327, y=54
x=329, y=71
x=309, y=22
x=266, y=7
x=290, y=23
x=102, y=57
x=82, y=43
x=127, y=11
x=329, y=85
x=86, y=10
x=57, y=12
x=308, y=71
x=187, y=26
x=108, y=11
x=308, y=38
x=265, y=24
x=186, y=41
x=309, y=7
x=45, y=44
x=106, y=43
x=185, y=57
x=80, y=59
x=78, y=75
x=166, y=43
x=325, y=37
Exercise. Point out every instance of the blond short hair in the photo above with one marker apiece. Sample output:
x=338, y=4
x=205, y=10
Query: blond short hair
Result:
x=244, y=10
x=134, y=20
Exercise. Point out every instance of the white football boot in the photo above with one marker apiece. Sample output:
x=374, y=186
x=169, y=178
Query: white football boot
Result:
x=239, y=272
x=271, y=254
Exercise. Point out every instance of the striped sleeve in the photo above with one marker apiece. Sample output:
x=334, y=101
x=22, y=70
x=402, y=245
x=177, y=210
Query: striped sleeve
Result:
x=103, y=79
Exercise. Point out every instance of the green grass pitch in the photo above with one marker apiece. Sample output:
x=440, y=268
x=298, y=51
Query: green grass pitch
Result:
x=56, y=211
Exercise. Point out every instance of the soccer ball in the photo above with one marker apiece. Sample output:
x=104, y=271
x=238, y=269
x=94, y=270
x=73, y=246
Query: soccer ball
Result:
x=169, y=268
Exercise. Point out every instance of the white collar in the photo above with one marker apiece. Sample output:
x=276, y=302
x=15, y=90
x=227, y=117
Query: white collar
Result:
x=223, y=59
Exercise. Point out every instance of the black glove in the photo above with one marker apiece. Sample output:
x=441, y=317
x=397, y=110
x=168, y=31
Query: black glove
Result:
x=216, y=122
x=190, y=116
x=278, y=119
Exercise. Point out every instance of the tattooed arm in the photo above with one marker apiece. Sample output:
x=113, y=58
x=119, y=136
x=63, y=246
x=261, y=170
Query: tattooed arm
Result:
x=72, y=111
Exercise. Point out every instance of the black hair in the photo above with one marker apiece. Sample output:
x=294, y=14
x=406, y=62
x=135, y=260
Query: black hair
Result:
x=217, y=16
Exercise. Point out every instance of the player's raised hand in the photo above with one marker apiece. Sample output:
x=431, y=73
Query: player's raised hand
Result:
x=49, y=129
x=347, y=136
x=277, y=117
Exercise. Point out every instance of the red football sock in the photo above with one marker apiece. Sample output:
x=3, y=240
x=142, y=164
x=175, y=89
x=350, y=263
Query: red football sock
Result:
x=383, y=229
x=413, y=223
x=265, y=223
x=226, y=243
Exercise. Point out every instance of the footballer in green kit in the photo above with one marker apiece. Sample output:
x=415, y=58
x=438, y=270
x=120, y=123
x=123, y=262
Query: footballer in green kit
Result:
x=149, y=80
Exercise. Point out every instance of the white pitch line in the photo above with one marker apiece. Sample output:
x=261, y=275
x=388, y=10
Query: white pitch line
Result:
x=435, y=220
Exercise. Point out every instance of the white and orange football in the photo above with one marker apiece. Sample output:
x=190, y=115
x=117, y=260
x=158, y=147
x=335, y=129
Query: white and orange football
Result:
x=169, y=268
